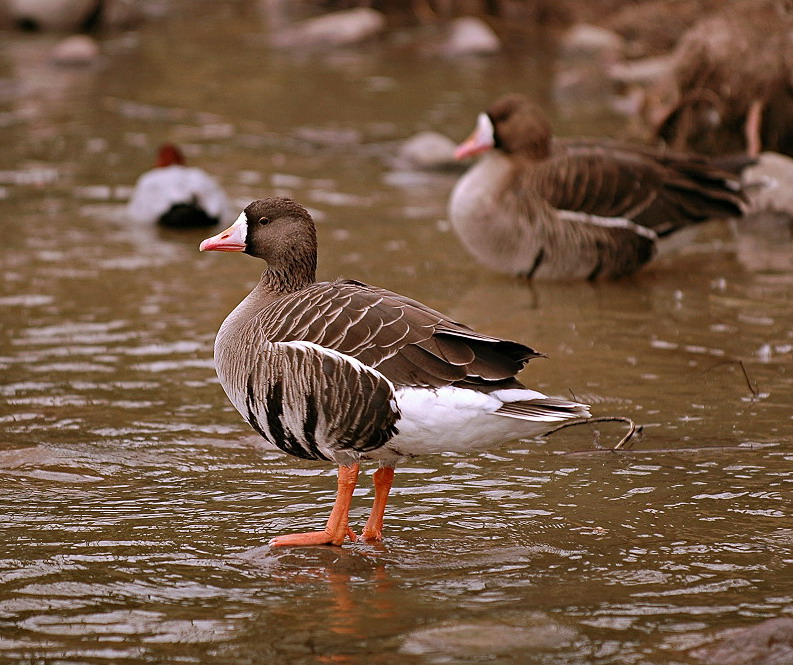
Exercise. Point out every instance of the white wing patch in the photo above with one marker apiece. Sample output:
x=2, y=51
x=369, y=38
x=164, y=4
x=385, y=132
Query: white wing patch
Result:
x=608, y=222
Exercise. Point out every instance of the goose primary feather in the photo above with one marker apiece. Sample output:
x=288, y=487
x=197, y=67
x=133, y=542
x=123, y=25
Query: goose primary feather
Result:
x=343, y=371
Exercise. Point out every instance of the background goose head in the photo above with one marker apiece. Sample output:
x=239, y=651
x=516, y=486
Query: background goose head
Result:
x=278, y=230
x=512, y=124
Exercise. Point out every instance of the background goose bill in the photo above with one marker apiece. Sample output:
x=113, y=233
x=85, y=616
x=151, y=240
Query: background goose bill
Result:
x=233, y=239
x=480, y=140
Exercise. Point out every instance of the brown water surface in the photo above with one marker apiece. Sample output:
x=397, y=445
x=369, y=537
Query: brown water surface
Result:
x=135, y=504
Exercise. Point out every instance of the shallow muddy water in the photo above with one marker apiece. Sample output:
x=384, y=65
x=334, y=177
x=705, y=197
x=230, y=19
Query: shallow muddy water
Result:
x=136, y=505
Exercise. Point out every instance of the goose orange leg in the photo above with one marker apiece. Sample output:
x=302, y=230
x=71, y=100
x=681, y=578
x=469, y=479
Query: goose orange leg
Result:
x=337, y=528
x=752, y=126
x=383, y=479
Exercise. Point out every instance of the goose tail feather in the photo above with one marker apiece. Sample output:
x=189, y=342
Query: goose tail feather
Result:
x=545, y=409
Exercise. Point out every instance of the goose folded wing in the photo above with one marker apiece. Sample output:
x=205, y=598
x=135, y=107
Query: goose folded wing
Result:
x=318, y=404
x=410, y=343
x=661, y=190
x=592, y=180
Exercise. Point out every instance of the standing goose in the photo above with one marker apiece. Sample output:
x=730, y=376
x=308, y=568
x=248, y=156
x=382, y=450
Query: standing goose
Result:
x=575, y=209
x=343, y=371
x=176, y=195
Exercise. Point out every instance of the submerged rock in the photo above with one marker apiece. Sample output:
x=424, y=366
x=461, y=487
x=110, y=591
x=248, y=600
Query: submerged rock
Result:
x=427, y=150
x=77, y=50
x=769, y=183
x=764, y=234
x=477, y=639
x=470, y=36
x=340, y=28
x=591, y=41
x=767, y=643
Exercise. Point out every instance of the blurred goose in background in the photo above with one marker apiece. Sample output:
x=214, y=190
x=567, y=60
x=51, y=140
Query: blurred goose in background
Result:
x=732, y=82
x=342, y=371
x=575, y=208
x=176, y=195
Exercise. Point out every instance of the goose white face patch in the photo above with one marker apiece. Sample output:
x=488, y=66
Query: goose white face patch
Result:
x=240, y=227
x=233, y=239
x=485, y=132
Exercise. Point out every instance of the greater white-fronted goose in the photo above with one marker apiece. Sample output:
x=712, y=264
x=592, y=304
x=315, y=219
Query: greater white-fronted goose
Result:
x=732, y=81
x=176, y=195
x=343, y=371
x=575, y=208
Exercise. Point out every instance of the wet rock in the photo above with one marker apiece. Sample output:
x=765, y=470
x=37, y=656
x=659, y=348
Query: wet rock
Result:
x=581, y=82
x=769, y=183
x=591, y=41
x=767, y=643
x=470, y=36
x=335, y=29
x=642, y=71
x=533, y=632
x=427, y=150
x=762, y=242
x=581, y=76
x=765, y=233
x=75, y=51
x=633, y=79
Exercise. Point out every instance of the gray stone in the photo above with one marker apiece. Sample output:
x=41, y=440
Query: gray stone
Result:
x=427, y=150
x=591, y=41
x=769, y=183
x=471, y=36
x=474, y=640
x=334, y=29
x=769, y=642
x=77, y=50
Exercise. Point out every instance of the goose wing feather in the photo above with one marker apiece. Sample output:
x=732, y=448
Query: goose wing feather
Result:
x=657, y=189
x=548, y=409
x=410, y=343
x=289, y=386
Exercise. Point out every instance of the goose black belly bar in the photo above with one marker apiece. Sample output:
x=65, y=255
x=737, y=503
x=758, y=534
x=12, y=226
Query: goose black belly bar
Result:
x=343, y=371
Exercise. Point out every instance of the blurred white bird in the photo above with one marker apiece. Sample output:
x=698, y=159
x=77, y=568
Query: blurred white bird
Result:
x=176, y=195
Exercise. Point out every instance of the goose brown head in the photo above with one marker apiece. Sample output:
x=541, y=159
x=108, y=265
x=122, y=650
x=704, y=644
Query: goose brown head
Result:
x=512, y=124
x=281, y=232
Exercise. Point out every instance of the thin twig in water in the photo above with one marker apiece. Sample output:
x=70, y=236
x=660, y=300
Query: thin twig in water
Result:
x=666, y=451
x=600, y=419
x=752, y=387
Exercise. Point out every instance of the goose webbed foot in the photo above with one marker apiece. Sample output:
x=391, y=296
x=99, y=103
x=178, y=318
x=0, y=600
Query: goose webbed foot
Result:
x=324, y=537
x=337, y=529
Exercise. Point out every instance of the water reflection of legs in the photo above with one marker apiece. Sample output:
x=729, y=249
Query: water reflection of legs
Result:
x=351, y=617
